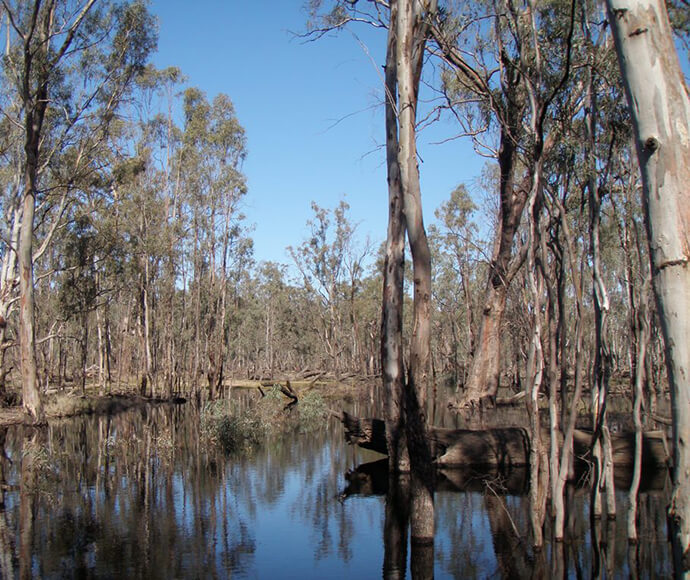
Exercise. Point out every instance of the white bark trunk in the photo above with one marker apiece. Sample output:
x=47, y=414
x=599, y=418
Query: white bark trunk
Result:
x=660, y=109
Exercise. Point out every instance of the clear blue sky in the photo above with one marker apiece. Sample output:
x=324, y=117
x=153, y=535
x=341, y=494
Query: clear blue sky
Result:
x=312, y=113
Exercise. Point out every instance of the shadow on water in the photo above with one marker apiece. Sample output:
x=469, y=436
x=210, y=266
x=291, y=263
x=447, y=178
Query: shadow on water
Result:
x=140, y=495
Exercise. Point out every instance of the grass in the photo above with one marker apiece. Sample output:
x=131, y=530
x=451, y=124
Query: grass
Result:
x=235, y=429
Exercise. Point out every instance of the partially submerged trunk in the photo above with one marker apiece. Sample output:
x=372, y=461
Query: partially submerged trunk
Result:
x=409, y=29
x=660, y=109
x=392, y=366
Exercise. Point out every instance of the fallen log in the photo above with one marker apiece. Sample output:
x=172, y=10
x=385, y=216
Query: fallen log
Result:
x=508, y=447
x=501, y=447
x=655, y=450
x=366, y=433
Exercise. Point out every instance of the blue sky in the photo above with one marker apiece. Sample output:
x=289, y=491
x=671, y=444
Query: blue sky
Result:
x=312, y=113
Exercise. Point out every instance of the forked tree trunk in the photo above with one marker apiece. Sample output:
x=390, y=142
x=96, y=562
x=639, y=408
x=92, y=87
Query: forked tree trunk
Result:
x=483, y=379
x=411, y=30
x=660, y=109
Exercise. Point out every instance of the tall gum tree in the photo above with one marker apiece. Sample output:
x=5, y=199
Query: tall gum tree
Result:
x=412, y=29
x=408, y=26
x=392, y=359
x=660, y=108
x=70, y=64
x=38, y=66
x=513, y=70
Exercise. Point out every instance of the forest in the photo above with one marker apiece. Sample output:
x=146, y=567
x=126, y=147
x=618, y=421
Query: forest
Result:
x=557, y=281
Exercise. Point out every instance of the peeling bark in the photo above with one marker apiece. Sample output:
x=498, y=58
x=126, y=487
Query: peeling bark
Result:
x=660, y=109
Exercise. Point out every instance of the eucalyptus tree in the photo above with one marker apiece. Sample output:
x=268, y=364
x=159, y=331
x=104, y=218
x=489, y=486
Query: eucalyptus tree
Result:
x=213, y=186
x=408, y=24
x=505, y=81
x=329, y=263
x=458, y=261
x=69, y=65
x=660, y=109
x=408, y=31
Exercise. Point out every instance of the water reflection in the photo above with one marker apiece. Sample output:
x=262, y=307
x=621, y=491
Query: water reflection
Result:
x=483, y=528
x=137, y=495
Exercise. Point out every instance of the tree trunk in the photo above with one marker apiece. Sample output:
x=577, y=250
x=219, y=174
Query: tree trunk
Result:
x=83, y=350
x=562, y=471
x=411, y=31
x=660, y=109
x=538, y=462
x=31, y=397
x=394, y=267
x=642, y=341
x=602, y=356
x=483, y=380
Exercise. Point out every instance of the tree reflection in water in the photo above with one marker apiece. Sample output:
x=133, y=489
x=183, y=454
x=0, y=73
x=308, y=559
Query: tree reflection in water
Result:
x=138, y=495
x=483, y=529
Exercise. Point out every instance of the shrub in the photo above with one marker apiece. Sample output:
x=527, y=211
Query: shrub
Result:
x=236, y=430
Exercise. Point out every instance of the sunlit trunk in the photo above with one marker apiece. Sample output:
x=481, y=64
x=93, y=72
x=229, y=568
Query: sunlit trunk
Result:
x=392, y=364
x=410, y=43
x=31, y=398
x=660, y=108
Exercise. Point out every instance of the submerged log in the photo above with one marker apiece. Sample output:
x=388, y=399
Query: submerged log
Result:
x=367, y=433
x=655, y=450
x=507, y=447
x=450, y=447
x=501, y=447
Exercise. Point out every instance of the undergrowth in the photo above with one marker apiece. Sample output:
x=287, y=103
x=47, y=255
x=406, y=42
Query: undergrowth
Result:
x=242, y=429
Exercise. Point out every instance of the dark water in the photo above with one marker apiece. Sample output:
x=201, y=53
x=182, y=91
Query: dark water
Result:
x=137, y=495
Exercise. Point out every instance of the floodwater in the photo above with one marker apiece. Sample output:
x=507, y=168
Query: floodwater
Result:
x=136, y=495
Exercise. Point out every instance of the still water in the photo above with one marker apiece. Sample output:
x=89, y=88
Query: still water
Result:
x=137, y=495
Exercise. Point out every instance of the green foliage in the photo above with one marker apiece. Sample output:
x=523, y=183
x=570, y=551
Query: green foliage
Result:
x=237, y=430
x=231, y=432
x=313, y=412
